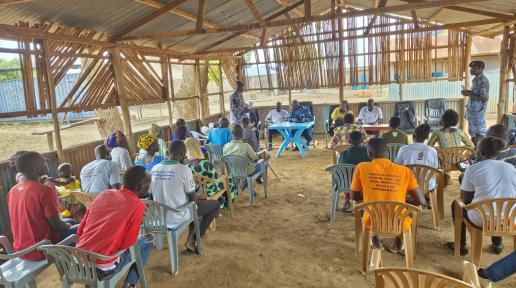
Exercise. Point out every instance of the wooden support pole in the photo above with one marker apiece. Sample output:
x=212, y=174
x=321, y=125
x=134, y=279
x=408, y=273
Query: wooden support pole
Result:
x=504, y=69
x=53, y=101
x=341, y=61
x=467, y=76
x=221, y=92
x=203, y=99
x=289, y=76
x=400, y=90
x=165, y=76
x=121, y=92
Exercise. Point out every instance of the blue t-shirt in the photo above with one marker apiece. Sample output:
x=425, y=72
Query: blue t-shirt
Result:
x=219, y=136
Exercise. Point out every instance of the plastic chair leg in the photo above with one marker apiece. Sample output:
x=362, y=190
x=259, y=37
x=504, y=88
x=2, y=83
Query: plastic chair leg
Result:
x=409, y=249
x=135, y=254
x=366, y=239
x=435, y=209
x=173, y=239
x=376, y=260
x=334, y=205
x=477, y=236
x=358, y=231
x=158, y=241
x=250, y=187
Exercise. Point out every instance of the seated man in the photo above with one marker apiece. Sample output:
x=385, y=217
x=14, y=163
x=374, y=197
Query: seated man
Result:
x=100, y=174
x=239, y=148
x=112, y=223
x=370, y=114
x=419, y=152
x=173, y=185
x=353, y=155
x=180, y=122
x=344, y=129
x=395, y=135
x=368, y=185
x=220, y=135
x=302, y=114
x=508, y=154
x=33, y=207
x=487, y=179
x=249, y=136
x=338, y=114
x=276, y=115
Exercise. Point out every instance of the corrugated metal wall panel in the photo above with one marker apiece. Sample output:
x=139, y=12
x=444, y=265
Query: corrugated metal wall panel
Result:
x=12, y=98
x=450, y=90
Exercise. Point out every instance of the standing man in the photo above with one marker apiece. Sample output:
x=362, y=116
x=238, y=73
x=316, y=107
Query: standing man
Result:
x=371, y=114
x=276, y=115
x=237, y=106
x=477, y=103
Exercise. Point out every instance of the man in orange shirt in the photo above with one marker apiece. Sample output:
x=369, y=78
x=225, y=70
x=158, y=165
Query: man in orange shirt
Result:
x=382, y=180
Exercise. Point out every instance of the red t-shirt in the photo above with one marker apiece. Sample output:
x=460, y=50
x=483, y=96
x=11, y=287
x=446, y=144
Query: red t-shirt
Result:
x=30, y=205
x=112, y=223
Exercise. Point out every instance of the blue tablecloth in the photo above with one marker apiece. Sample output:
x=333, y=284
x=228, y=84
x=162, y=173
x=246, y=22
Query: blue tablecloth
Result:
x=291, y=132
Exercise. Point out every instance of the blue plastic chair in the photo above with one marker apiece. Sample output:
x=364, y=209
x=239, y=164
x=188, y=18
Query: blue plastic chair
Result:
x=79, y=266
x=341, y=177
x=215, y=154
x=16, y=272
x=155, y=221
x=237, y=170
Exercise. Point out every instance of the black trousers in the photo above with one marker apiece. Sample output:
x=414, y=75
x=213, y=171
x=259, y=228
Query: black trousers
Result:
x=494, y=240
x=207, y=211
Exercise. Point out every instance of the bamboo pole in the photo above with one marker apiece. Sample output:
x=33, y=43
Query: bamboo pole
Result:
x=289, y=76
x=53, y=105
x=221, y=92
x=467, y=76
x=504, y=59
x=341, y=62
x=165, y=71
x=203, y=99
x=121, y=93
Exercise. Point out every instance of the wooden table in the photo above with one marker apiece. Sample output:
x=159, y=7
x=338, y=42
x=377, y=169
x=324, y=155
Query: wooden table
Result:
x=376, y=127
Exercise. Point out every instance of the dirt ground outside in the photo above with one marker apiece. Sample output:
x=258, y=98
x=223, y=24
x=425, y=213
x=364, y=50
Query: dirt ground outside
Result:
x=286, y=241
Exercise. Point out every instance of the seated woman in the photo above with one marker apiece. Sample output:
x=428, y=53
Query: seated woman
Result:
x=341, y=133
x=487, y=179
x=199, y=165
x=449, y=135
x=180, y=123
x=149, y=145
x=156, y=131
x=119, y=147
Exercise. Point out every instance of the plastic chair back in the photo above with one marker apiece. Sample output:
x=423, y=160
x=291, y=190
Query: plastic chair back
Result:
x=77, y=265
x=407, y=112
x=337, y=150
x=155, y=217
x=82, y=197
x=409, y=277
x=392, y=150
x=450, y=156
x=498, y=216
x=387, y=216
x=434, y=110
x=215, y=153
x=342, y=175
x=201, y=137
x=236, y=166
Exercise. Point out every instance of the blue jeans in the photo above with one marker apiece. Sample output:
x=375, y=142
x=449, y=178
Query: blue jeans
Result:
x=145, y=247
x=502, y=268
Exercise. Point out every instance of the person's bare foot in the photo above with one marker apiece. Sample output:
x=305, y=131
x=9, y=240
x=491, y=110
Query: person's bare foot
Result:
x=190, y=246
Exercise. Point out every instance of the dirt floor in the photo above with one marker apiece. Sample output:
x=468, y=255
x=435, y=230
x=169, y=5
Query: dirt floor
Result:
x=286, y=240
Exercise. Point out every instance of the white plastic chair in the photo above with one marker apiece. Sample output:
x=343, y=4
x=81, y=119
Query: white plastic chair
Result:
x=155, y=221
x=16, y=272
x=237, y=170
x=215, y=154
x=79, y=266
x=392, y=150
x=199, y=136
x=341, y=177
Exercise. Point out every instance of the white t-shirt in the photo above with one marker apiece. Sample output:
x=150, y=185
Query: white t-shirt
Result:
x=418, y=153
x=121, y=157
x=276, y=117
x=370, y=117
x=99, y=175
x=171, y=182
x=489, y=179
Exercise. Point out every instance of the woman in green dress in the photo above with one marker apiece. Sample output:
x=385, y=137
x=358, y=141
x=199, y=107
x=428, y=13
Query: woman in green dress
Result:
x=199, y=165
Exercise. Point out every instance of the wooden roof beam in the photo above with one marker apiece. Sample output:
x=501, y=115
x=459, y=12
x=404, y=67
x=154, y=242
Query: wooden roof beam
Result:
x=308, y=8
x=421, y=29
x=200, y=16
x=10, y=2
x=186, y=15
x=382, y=3
x=144, y=20
x=255, y=13
x=290, y=22
x=285, y=4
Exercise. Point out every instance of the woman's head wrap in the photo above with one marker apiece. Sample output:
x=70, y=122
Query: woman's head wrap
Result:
x=146, y=140
x=115, y=139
